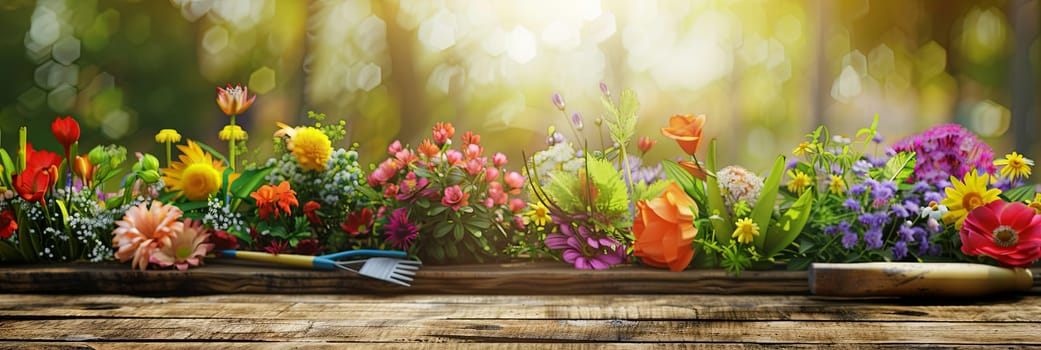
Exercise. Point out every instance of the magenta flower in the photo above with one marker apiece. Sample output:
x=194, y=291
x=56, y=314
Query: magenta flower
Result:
x=455, y=198
x=400, y=232
x=394, y=147
x=609, y=252
x=947, y=150
x=411, y=186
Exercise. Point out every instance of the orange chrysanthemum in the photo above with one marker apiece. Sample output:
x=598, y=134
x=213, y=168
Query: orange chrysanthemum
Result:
x=275, y=199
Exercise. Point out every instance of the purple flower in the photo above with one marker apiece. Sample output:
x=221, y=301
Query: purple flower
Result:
x=583, y=254
x=908, y=232
x=851, y=204
x=554, y=139
x=900, y=211
x=861, y=167
x=899, y=250
x=877, y=139
x=400, y=232
x=921, y=187
x=576, y=119
x=947, y=150
x=842, y=227
x=933, y=197
x=873, y=237
x=791, y=164
x=874, y=220
x=604, y=90
x=849, y=240
x=558, y=100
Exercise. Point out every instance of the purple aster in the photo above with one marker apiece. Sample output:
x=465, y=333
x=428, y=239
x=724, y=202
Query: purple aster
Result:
x=851, y=204
x=933, y=197
x=921, y=187
x=900, y=211
x=842, y=227
x=908, y=232
x=849, y=240
x=791, y=164
x=874, y=220
x=861, y=167
x=947, y=150
x=858, y=189
x=899, y=250
x=877, y=139
x=400, y=232
x=873, y=237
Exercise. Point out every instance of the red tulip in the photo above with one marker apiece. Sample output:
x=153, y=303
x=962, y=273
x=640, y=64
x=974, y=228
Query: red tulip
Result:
x=41, y=172
x=66, y=131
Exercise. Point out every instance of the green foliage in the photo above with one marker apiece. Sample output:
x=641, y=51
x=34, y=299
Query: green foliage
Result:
x=1019, y=194
x=723, y=226
x=764, y=208
x=899, y=168
x=784, y=230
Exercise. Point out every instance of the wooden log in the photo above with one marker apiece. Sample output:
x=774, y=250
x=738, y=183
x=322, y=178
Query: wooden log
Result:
x=523, y=331
x=516, y=279
x=916, y=279
x=475, y=308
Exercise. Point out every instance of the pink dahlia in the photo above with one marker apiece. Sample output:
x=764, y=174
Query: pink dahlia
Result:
x=143, y=229
x=186, y=248
x=1008, y=232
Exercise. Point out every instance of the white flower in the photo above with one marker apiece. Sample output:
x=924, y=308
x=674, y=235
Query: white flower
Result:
x=739, y=184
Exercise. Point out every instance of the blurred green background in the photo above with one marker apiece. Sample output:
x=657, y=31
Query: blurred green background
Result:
x=765, y=72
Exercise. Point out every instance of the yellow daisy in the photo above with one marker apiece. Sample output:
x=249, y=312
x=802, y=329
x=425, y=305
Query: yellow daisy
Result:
x=1014, y=166
x=803, y=148
x=799, y=182
x=746, y=230
x=312, y=148
x=837, y=185
x=196, y=175
x=965, y=196
x=1036, y=203
x=539, y=214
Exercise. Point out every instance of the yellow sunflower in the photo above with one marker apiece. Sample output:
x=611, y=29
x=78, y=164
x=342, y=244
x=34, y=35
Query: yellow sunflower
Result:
x=196, y=175
x=312, y=148
x=965, y=196
x=1015, y=166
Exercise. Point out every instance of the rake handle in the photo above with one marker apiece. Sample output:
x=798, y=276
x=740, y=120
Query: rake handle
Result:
x=305, y=261
x=916, y=279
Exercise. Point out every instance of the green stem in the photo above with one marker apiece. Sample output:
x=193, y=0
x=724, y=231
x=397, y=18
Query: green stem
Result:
x=169, y=157
x=21, y=148
x=231, y=145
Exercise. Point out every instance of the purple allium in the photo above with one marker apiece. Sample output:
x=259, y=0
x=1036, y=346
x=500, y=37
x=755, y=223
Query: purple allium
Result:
x=873, y=237
x=558, y=100
x=947, y=150
x=400, y=232
x=899, y=250
x=849, y=240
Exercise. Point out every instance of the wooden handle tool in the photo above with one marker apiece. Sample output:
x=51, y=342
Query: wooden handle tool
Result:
x=885, y=279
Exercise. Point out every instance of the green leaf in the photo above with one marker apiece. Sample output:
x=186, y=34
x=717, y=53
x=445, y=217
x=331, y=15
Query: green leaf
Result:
x=437, y=253
x=193, y=205
x=764, y=208
x=457, y=231
x=609, y=106
x=249, y=181
x=725, y=227
x=900, y=167
x=451, y=251
x=443, y=228
x=210, y=150
x=10, y=253
x=675, y=172
x=437, y=210
x=8, y=167
x=1019, y=194
x=788, y=227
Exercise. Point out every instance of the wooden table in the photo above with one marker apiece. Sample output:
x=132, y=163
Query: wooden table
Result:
x=481, y=307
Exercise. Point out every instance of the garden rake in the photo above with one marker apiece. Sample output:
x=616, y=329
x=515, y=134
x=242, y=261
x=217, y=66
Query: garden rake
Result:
x=384, y=265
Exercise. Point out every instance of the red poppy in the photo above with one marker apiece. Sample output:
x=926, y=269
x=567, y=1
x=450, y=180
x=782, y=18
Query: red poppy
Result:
x=358, y=223
x=8, y=224
x=311, y=211
x=66, y=131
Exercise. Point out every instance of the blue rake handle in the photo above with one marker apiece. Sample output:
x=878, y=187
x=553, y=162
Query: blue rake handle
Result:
x=322, y=262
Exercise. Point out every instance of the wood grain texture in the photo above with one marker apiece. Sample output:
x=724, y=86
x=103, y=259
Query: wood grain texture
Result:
x=224, y=276
x=463, y=346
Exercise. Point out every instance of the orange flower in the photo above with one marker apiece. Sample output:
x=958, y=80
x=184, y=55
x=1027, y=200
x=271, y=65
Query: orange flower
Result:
x=274, y=199
x=664, y=229
x=693, y=168
x=443, y=132
x=686, y=130
x=428, y=149
x=234, y=100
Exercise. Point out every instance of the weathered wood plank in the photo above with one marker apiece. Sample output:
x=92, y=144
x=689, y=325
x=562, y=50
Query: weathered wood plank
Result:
x=522, y=331
x=461, y=346
x=591, y=307
x=516, y=278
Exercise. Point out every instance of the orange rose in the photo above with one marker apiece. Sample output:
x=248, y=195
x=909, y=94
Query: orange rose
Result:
x=664, y=229
x=686, y=130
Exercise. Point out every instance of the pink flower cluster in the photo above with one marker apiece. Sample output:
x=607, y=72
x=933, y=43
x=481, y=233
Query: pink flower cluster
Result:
x=456, y=178
x=947, y=150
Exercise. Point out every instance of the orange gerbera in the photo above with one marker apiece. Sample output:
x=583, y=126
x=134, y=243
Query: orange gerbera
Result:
x=144, y=229
x=686, y=130
x=275, y=199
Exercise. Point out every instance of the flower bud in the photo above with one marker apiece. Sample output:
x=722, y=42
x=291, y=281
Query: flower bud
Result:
x=558, y=100
x=149, y=176
x=149, y=162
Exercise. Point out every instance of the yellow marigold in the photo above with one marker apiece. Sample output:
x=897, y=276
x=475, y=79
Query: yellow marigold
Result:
x=196, y=175
x=167, y=136
x=746, y=230
x=312, y=148
x=230, y=131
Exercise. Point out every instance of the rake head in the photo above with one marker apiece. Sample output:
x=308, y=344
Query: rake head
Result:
x=397, y=271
